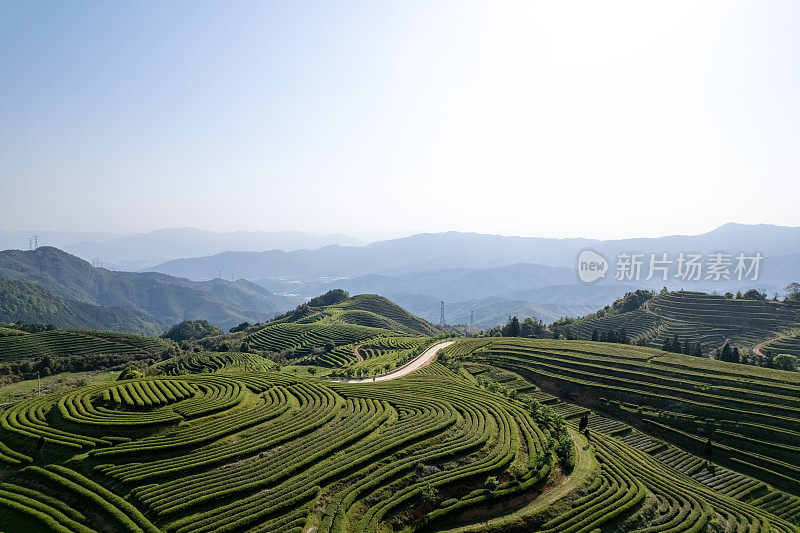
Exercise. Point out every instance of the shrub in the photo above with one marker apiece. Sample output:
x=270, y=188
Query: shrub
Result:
x=429, y=493
x=785, y=362
x=130, y=372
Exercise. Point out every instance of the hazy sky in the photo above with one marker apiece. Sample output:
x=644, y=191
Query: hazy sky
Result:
x=597, y=119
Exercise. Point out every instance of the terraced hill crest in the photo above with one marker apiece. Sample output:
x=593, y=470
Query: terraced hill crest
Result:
x=367, y=332
x=756, y=327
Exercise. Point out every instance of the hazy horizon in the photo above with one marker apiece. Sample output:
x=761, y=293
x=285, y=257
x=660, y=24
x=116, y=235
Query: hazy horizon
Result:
x=364, y=237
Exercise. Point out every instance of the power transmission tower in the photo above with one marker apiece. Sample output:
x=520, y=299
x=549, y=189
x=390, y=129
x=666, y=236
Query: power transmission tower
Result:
x=30, y=243
x=35, y=242
x=220, y=274
x=472, y=319
x=441, y=320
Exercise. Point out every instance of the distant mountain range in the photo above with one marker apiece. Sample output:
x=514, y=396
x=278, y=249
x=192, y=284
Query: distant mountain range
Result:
x=453, y=250
x=141, y=250
x=495, y=276
x=481, y=278
x=157, y=299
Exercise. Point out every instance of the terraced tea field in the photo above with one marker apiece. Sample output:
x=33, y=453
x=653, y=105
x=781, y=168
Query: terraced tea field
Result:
x=301, y=339
x=751, y=415
x=267, y=452
x=788, y=343
x=76, y=342
x=215, y=442
x=699, y=317
x=199, y=363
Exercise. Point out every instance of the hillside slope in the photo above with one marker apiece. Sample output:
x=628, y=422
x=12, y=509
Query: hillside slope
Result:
x=30, y=304
x=696, y=317
x=366, y=332
x=165, y=298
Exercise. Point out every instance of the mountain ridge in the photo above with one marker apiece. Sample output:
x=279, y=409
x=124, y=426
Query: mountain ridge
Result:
x=165, y=298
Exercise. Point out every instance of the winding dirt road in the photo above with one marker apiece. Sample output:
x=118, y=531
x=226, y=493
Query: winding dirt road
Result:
x=421, y=361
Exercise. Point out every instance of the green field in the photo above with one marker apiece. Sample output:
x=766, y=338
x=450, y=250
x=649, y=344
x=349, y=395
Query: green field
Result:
x=486, y=439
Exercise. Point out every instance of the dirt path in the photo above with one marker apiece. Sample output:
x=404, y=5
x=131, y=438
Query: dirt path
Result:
x=757, y=349
x=422, y=361
x=359, y=359
x=585, y=465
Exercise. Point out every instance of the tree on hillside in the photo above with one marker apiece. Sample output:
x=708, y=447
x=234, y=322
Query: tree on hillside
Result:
x=738, y=295
x=726, y=354
x=754, y=294
x=793, y=292
x=241, y=327
x=583, y=423
x=555, y=333
x=512, y=329
x=191, y=330
x=708, y=450
x=331, y=297
x=595, y=335
x=632, y=300
x=735, y=356
x=785, y=362
x=623, y=336
x=531, y=328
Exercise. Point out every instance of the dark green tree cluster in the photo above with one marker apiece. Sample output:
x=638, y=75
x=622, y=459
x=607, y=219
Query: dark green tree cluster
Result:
x=532, y=328
x=29, y=328
x=793, y=292
x=529, y=328
x=241, y=327
x=686, y=348
x=620, y=337
x=191, y=330
x=785, y=361
x=331, y=297
x=512, y=329
x=630, y=302
x=47, y=365
x=752, y=294
x=728, y=354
